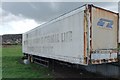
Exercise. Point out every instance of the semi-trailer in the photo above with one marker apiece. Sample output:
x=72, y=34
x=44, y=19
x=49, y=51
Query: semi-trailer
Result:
x=84, y=36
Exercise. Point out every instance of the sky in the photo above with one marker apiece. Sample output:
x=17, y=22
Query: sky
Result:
x=19, y=17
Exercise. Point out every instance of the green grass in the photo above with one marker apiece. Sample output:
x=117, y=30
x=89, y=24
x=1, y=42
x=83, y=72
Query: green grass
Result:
x=12, y=66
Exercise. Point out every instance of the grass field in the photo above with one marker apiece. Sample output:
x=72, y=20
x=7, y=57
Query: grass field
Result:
x=12, y=66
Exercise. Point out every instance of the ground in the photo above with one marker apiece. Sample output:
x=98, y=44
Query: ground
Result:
x=13, y=67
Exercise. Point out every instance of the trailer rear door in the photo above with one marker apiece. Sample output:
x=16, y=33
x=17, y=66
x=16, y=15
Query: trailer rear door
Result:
x=104, y=35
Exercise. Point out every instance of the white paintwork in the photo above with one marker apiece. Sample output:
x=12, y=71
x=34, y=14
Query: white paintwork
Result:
x=71, y=50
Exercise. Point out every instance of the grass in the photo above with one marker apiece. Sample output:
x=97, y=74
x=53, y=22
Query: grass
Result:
x=12, y=66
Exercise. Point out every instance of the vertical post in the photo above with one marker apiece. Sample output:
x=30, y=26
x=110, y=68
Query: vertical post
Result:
x=85, y=36
x=90, y=31
x=118, y=36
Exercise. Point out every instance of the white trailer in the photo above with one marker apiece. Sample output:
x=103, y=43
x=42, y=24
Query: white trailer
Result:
x=86, y=35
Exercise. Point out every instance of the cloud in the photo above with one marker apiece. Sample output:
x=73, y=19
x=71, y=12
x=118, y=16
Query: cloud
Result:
x=19, y=17
x=15, y=27
x=8, y=17
x=45, y=11
x=12, y=24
